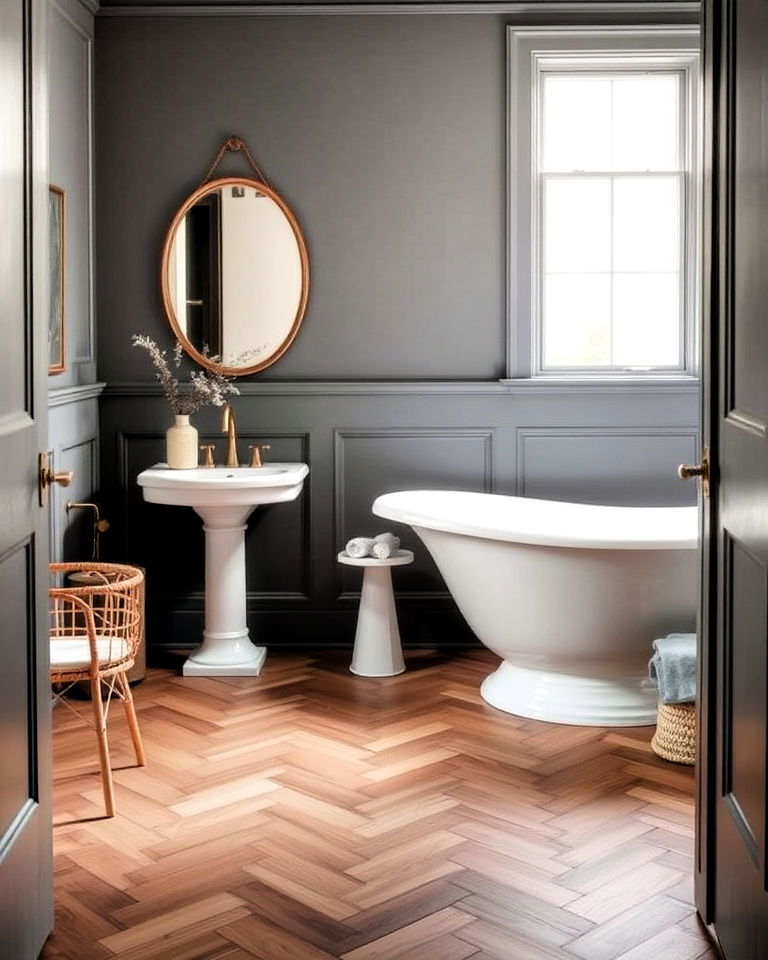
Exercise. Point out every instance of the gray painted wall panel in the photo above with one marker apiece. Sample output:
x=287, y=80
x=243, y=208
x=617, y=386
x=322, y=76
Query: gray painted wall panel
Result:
x=70, y=33
x=386, y=135
x=73, y=419
x=388, y=146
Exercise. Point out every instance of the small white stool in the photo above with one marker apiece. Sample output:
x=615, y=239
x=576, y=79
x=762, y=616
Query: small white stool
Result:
x=377, y=650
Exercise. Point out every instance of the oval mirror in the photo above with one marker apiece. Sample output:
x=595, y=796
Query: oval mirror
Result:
x=235, y=275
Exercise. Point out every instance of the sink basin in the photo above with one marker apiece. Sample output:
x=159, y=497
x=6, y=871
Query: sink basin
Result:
x=224, y=497
x=223, y=486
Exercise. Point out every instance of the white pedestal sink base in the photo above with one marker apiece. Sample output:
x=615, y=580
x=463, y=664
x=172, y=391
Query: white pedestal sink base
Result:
x=224, y=498
x=226, y=650
x=251, y=668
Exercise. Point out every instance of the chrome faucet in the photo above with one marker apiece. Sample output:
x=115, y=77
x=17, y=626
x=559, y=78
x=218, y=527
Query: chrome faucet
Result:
x=228, y=427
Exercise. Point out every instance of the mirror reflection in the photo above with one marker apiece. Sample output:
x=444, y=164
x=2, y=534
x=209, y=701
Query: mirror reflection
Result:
x=235, y=275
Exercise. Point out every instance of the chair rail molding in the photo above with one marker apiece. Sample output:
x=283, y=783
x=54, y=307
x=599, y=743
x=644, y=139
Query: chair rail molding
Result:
x=76, y=393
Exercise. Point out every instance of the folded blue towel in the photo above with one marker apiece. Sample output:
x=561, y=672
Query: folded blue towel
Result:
x=673, y=667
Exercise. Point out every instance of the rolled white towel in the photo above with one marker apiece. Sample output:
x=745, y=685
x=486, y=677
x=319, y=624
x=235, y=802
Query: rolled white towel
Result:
x=384, y=545
x=359, y=547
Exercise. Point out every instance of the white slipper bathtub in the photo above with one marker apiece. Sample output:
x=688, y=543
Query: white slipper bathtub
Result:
x=569, y=595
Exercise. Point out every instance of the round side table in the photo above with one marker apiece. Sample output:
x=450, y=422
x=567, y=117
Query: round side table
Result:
x=377, y=650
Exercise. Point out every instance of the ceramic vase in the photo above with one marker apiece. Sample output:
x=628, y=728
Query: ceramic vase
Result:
x=181, y=444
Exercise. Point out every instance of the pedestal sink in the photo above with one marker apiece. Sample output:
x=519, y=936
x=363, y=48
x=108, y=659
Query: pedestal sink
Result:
x=224, y=497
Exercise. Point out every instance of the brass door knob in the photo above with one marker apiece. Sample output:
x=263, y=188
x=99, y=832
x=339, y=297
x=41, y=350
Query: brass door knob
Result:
x=46, y=476
x=687, y=471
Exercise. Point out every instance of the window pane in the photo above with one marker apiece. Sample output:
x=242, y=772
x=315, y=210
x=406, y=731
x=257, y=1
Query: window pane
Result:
x=646, y=319
x=645, y=123
x=646, y=228
x=577, y=225
x=577, y=320
x=576, y=129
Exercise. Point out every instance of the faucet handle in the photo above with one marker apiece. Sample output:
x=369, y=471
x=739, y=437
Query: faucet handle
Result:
x=256, y=449
x=208, y=449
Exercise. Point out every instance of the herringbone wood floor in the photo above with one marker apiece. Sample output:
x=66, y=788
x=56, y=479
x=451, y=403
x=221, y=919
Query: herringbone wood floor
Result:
x=309, y=814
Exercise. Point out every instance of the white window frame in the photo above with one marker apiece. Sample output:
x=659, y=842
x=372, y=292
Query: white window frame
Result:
x=532, y=52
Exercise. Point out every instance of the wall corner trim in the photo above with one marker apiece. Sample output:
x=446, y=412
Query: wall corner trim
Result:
x=77, y=393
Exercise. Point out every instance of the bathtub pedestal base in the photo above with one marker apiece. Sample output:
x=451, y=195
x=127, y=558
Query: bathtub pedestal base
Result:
x=610, y=695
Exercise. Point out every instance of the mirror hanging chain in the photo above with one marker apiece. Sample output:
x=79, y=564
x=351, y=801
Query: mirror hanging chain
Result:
x=235, y=145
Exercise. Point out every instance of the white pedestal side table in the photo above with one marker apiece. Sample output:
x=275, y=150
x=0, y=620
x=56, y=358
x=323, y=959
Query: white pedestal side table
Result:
x=377, y=650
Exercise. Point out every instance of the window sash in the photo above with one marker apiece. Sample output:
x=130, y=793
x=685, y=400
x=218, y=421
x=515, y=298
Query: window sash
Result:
x=540, y=177
x=540, y=273
x=599, y=71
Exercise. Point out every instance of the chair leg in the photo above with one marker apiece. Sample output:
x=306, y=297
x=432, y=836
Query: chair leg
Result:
x=133, y=723
x=100, y=722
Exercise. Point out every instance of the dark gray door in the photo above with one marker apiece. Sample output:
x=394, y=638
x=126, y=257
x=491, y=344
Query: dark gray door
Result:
x=733, y=891
x=25, y=819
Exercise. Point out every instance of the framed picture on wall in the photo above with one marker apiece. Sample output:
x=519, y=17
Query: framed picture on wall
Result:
x=57, y=214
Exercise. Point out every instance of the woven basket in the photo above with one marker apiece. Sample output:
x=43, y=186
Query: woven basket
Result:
x=675, y=737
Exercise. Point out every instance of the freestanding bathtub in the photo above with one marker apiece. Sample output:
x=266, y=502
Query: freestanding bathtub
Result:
x=569, y=595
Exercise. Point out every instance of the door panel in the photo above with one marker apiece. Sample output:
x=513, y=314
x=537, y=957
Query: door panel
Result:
x=12, y=287
x=25, y=817
x=17, y=746
x=750, y=203
x=734, y=767
x=745, y=695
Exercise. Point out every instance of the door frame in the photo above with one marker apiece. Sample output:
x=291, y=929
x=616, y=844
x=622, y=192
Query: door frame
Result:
x=710, y=389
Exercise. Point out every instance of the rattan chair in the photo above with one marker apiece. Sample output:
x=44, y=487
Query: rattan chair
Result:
x=95, y=631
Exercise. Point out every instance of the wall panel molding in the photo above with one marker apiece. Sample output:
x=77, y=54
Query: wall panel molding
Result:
x=360, y=445
x=594, y=457
x=73, y=435
x=479, y=388
x=482, y=478
x=77, y=393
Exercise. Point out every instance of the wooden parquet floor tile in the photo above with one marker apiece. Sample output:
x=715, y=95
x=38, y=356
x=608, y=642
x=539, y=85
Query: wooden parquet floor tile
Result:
x=308, y=814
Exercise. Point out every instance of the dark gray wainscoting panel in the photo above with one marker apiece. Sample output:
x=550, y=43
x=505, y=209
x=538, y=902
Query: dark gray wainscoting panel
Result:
x=169, y=540
x=362, y=440
x=73, y=437
x=369, y=463
x=605, y=465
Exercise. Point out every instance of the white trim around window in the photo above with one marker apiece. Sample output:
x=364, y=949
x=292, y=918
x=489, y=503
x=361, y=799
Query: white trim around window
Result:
x=535, y=53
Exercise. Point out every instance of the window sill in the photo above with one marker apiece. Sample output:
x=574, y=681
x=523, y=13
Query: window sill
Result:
x=673, y=384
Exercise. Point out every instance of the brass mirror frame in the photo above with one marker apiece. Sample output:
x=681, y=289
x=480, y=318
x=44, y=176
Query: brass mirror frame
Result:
x=208, y=187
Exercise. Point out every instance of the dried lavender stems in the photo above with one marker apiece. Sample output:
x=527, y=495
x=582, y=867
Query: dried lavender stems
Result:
x=204, y=388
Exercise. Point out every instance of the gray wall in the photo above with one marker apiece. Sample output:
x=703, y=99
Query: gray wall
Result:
x=386, y=136
x=73, y=395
